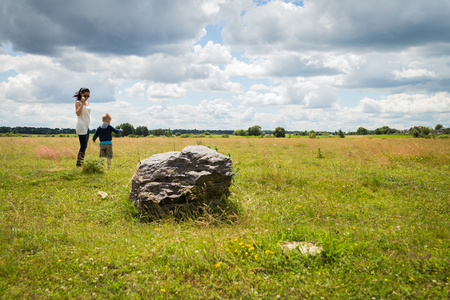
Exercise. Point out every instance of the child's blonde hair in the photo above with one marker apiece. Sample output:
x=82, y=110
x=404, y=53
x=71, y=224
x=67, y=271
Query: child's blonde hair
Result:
x=106, y=117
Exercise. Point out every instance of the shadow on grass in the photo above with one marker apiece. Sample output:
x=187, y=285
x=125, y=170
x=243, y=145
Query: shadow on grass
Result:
x=208, y=212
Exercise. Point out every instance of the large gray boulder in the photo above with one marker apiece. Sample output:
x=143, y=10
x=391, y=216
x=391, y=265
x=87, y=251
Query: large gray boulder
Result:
x=189, y=178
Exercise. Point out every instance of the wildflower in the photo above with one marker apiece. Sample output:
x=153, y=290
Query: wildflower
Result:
x=356, y=244
x=386, y=279
x=373, y=272
x=246, y=253
x=269, y=252
x=241, y=243
x=252, y=248
x=163, y=290
x=59, y=260
x=411, y=279
x=217, y=265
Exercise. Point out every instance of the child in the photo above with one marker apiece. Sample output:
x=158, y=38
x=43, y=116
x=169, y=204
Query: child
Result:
x=104, y=133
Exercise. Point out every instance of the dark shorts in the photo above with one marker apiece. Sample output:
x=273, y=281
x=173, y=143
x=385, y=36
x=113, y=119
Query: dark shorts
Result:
x=106, y=151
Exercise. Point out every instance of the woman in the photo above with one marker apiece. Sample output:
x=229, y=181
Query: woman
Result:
x=83, y=112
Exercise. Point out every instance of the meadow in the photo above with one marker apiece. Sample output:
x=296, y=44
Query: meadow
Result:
x=379, y=208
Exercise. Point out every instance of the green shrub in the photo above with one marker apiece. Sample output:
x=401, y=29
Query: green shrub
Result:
x=93, y=166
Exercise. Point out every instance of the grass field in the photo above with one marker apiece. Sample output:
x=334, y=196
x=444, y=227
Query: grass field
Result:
x=378, y=207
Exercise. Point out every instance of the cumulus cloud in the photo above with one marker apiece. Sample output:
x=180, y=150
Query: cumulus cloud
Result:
x=212, y=53
x=121, y=27
x=413, y=73
x=325, y=25
x=407, y=104
x=158, y=63
x=214, y=114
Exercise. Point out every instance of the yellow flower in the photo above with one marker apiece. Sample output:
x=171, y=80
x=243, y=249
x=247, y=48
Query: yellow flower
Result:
x=241, y=243
x=163, y=290
x=228, y=250
x=269, y=252
x=256, y=256
x=372, y=272
x=246, y=253
x=386, y=279
x=252, y=248
x=356, y=244
x=59, y=260
x=411, y=279
x=235, y=239
x=217, y=265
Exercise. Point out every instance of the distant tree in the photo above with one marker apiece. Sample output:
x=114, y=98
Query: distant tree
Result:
x=158, y=132
x=127, y=129
x=362, y=131
x=279, y=132
x=141, y=130
x=341, y=134
x=312, y=134
x=415, y=132
x=207, y=133
x=240, y=132
x=385, y=130
x=255, y=130
x=425, y=131
x=438, y=126
x=168, y=133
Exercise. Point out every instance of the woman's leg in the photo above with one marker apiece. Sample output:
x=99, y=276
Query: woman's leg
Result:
x=84, y=139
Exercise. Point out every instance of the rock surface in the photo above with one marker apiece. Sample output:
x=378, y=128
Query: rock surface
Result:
x=191, y=177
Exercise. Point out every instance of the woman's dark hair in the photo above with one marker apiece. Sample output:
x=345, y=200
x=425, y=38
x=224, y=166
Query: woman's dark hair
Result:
x=80, y=92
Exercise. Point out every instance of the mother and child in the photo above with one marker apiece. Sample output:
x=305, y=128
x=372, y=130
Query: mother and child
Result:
x=103, y=132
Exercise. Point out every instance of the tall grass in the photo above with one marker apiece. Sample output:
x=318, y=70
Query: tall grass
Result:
x=379, y=208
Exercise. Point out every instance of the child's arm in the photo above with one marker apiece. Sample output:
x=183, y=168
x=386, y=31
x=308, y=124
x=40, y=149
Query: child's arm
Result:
x=95, y=135
x=116, y=130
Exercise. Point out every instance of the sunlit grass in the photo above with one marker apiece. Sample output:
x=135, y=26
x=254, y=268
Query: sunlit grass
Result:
x=378, y=207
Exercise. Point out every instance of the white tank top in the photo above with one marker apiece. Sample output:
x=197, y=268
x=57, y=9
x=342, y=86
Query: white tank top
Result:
x=83, y=121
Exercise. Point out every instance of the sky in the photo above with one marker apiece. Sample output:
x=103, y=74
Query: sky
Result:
x=227, y=64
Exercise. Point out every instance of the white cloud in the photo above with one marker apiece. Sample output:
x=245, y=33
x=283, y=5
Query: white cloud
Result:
x=279, y=63
x=212, y=53
x=259, y=99
x=407, y=104
x=413, y=73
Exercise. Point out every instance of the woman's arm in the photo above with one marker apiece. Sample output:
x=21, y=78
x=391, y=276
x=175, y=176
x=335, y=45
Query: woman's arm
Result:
x=78, y=107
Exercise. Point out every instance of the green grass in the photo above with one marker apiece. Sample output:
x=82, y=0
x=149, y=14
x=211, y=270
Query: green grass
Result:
x=378, y=207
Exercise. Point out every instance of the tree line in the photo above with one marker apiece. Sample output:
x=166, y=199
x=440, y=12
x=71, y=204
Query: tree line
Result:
x=256, y=130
